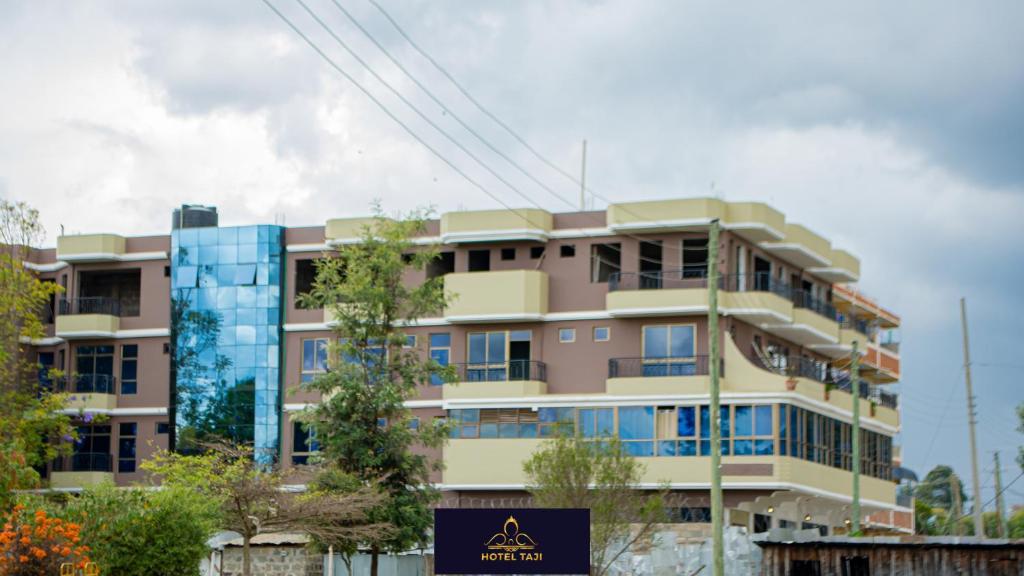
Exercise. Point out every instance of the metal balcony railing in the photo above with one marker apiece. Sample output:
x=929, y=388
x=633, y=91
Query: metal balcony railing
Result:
x=862, y=326
x=85, y=462
x=90, y=305
x=804, y=299
x=87, y=384
x=820, y=371
x=638, y=367
x=682, y=278
x=756, y=282
x=513, y=370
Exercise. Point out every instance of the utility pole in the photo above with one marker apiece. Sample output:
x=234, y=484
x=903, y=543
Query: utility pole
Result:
x=954, y=487
x=1000, y=511
x=583, y=179
x=717, y=550
x=855, y=388
x=979, y=526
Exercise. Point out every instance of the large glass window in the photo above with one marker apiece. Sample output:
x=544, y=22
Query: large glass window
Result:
x=553, y=421
x=636, y=430
x=605, y=260
x=440, y=352
x=669, y=350
x=129, y=368
x=304, y=443
x=487, y=354
x=705, y=430
x=596, y=422
x=314, y=357
x=94, y=369
x=752, y=430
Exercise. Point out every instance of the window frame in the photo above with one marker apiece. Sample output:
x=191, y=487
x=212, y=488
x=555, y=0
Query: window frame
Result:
x=122, y=461
x=684, y=363
x=129, y=359
x=606, y=338
x=315, y=371
x=572, y=335
x=435, y=379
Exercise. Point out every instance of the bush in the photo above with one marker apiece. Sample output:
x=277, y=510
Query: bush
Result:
x=36, y=544
x=135, y=532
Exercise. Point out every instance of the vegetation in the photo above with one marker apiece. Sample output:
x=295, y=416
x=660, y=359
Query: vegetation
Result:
x=362, y=425
x=137, y=532
x=574, y=472
x=30, y=423
x=37, y=544
x=250, y=499
x=936, y=509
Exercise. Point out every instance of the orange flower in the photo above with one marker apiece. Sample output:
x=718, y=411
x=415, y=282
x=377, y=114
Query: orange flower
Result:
x=65, y=551
x=23, y=559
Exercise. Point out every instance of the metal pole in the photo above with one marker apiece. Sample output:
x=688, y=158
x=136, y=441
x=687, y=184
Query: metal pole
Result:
x=717, y=552
x=583, y=179
x=979, y=526
x=855, y=388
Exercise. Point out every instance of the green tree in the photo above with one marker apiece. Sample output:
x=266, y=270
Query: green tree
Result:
x=250, y=498
x=1016, y=524
x=31, y=425
x=573, y=472
x=137, y=532
x=934, y=506
x=362, y=423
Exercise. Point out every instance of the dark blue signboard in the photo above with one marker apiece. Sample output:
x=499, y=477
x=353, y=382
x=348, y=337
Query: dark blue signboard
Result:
x=511, y=541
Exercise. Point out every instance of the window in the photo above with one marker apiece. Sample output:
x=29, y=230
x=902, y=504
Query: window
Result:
x=705, y=430
x=304, y=443
x=94, y=369
x=440, y=352
x=536, y=252
x=684, y=442
x=498, y=356
x=382, y=422
x=605, y=260
x=410, y=341
x=127, y=432
x=818, y=438
x=443, y=264
x=414, y=423
x=167, y=271
x=602, y=333
x=701, y=515
x=596, y=422
x=752, y=430
x=129, y=368
x=695, y=257
x=314, y=358
x=567, y=251
x=245, y=275
x=669, y=350
x=305, y=274
x=163, y=427
x=554, y=420
x=479, y=260
x=187, y=277
x=566, y=335
x=494, y=423
x=650, y=265
x=636, y=430
x=762, y=523
x=508, y=253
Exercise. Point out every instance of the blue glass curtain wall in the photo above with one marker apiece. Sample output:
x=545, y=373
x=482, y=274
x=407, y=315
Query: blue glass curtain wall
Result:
x=226, y=286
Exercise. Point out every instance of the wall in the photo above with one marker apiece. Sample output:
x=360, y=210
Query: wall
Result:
x=274, y=561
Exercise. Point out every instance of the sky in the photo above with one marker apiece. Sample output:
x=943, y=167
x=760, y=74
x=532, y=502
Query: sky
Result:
x=895, y=130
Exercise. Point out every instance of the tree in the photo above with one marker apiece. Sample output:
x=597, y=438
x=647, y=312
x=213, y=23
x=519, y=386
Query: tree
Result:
x=137, y=532
x=935, y=506
x=30, y=422
x=1016, y=524
x=361, y=423
x=250, y=498
x=574, y=472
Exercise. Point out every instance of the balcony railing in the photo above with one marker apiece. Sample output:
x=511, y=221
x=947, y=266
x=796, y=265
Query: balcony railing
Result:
x=91, y=305
x=683, y=278
x=820, y=371
x=657, y=367
x=862, y=326
x=85, y=462
x=513, y=370
x=87, y=384
x=804, y=299
x=756, y=282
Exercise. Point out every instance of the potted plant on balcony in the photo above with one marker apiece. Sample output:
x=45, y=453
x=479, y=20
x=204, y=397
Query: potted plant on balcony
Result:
x=791, y=383
x=874, y=407
x=829, y=387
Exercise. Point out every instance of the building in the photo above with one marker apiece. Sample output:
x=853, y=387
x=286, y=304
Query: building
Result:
x=597, y=318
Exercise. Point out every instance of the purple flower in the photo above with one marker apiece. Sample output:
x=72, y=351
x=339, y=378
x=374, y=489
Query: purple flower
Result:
x=87, y=418
x=73, y=398
x=67, y=438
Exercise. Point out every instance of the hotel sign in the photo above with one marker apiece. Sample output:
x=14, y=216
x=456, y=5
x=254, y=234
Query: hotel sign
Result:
x=511, y=541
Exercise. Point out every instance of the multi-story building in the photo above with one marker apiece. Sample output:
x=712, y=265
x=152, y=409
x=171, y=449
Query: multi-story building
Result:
x=594, y=319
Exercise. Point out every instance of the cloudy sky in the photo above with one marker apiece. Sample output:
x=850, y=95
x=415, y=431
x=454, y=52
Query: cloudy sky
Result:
x=896, y=131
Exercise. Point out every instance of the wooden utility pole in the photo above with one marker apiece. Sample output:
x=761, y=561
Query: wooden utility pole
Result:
x=979, y=526
x=1000, y=510
x=855, y=388
x=717, y=520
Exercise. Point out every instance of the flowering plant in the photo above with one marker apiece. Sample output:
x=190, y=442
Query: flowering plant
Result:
x=37, y=544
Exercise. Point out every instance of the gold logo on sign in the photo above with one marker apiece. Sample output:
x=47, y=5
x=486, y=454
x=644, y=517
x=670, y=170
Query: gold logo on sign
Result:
x=510, y=539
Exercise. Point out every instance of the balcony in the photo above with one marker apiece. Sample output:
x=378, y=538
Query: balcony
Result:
x=81, y=470
x=802, y=248
x=814, y=321
x=88, y=317
x=664, y=292
x=497, y=296
x=528, y=224
x=512, y=379
x=637, y=375
x=826, y=373
x=752, y=220
x=91, y=248
x=90, y=391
